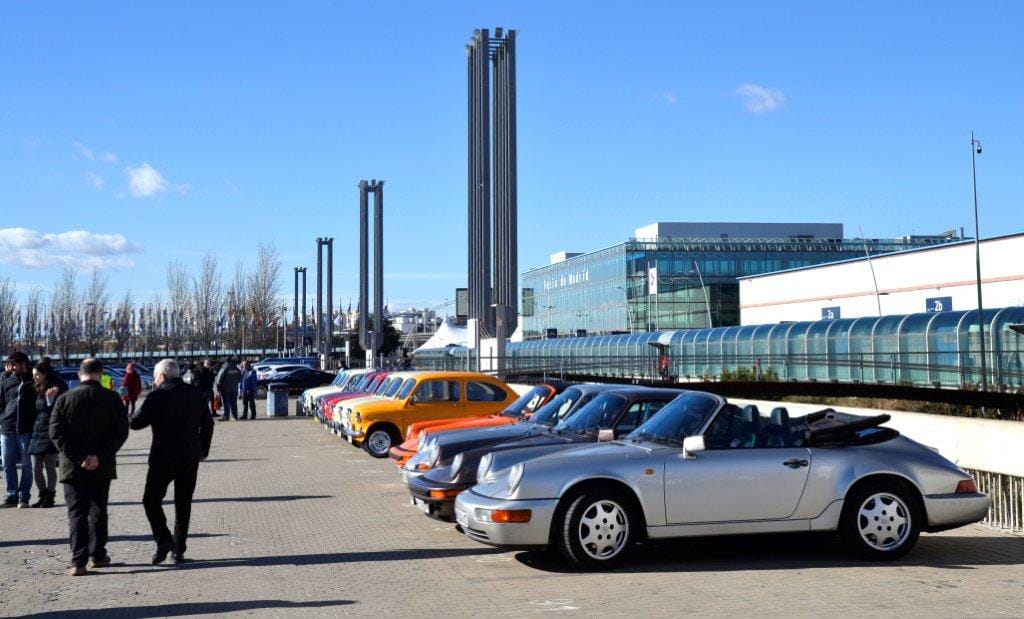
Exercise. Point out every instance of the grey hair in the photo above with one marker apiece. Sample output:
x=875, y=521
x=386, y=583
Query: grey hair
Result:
x=168, y=367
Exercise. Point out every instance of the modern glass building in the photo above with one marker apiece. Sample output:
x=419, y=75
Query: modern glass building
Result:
x=679, y=275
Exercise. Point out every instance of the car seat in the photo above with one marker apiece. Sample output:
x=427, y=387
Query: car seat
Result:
x=776, y=431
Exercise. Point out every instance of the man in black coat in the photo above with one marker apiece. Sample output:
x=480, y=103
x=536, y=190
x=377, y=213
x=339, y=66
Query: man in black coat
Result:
x=88, y=425
x=182, y=432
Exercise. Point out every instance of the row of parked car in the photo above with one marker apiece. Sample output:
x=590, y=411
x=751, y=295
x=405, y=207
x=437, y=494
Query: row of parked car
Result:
x=116, y=372
x=594, y=469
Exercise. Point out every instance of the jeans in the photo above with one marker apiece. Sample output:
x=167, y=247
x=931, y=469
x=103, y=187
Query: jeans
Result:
x=87, y=519
x=47, y=483
x=230, y=402
x=249, y=405
x=15, y=449
x=183, y=473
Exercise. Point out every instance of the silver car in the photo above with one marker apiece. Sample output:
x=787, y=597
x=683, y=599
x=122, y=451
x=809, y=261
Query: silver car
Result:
x=703, y=466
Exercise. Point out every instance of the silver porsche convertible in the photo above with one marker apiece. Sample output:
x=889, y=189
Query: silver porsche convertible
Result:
x=703, y=466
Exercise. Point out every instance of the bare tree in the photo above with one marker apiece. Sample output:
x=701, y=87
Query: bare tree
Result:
x=8, y=309
x=64, y=312
x=238, y=306
x=207, y=300
x=33, y=319
x=96, y=301
x=264, y=287
x=122, y=322
x=178, y=291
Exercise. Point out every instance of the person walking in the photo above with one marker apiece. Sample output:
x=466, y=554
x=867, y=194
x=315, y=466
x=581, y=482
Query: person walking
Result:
x=247, y=388
x=182, y=432
x=44, y=453
x=16, y=421
x=88, y=426
x=203, y=380
x=133, y=385
x=227, y=386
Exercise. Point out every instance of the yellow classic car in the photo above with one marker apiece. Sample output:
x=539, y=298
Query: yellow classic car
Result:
x=379, y=424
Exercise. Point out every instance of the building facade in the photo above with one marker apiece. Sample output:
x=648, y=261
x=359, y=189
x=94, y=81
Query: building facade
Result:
x=677, y=275
x=930, y=279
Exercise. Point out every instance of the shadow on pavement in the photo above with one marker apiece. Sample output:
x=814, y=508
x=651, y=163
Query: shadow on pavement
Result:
x=238, y=499
x=188, y=608
x=210, y=461
x=323, y=559
x=63, y=541
x=794, y=552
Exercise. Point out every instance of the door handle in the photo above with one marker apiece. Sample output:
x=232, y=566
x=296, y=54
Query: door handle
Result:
x=795, y=463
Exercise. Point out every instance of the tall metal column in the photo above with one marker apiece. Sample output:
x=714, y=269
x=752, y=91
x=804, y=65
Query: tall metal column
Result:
x=329, y=335
x=371, y=339
x=295, y=315
x=302, y=318
x=319, y=295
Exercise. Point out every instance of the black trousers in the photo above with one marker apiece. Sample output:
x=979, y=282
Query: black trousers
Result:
x=249, y=405
x=209, y=401
x=183, y=473
x=87, y=519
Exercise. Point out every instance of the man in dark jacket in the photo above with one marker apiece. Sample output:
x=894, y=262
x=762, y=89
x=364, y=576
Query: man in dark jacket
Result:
x=202, y=378
x=18, y=398
x=182, y=432
x=247, y=387
x=88, y=425
x=227, y=383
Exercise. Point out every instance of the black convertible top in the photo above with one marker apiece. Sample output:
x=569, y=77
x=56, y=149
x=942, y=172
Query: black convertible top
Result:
x=829, y=428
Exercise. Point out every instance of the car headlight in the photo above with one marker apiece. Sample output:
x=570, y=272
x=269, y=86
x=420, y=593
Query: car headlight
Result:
x=457, y=464
x=484, y=467
x=356, y=417
x=515, y=475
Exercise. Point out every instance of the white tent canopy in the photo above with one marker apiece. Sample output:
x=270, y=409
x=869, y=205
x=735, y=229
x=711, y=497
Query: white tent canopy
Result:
x=447, y=334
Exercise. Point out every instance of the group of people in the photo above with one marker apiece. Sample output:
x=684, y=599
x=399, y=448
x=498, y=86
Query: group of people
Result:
x=223, y=389
x=49, y=428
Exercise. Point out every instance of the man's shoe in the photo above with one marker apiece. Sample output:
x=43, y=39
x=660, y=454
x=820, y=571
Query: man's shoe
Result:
x=224, y=419
x=98, y=563
x=11, y=501
x=42, y=499
x=50, y=499
x=178, y=557
x=23, y=504
x=161, y=554
x=77, y=571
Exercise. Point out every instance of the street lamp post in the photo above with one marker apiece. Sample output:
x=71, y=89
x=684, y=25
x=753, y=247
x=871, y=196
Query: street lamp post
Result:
x=976, y=150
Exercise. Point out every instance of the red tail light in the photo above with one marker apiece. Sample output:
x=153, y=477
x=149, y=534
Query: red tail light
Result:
x=966, y=486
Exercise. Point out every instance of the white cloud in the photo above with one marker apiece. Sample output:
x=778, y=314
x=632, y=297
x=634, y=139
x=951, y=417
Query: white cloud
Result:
x=669, y=98
x=91, y=155
x=78, y=248
x=760, y=99
x=145, y=181
x=94, y=180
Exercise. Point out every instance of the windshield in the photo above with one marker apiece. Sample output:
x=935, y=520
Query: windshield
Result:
x=393, y=388
x=407, y=388
x=599, y=414
x=553, y=412
x=339, y=380
x=682, y=417
x=527, y=403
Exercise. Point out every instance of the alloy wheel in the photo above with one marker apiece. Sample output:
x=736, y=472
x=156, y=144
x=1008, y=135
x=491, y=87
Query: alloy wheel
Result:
x=884, y=521
x=604, y=529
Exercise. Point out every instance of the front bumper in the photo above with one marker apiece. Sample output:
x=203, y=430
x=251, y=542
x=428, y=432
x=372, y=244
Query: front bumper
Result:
x=948, y=511
x=400, y=456
x=535, y=533
x=441, y=509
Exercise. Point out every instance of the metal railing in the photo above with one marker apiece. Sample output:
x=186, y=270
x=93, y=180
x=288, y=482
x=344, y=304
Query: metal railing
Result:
x=1007, y=492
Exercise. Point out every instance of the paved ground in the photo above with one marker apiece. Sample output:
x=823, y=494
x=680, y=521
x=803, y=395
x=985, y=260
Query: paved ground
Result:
x=289, y=520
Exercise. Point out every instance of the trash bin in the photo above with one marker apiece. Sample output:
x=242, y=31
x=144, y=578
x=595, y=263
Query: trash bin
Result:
x=277, y=400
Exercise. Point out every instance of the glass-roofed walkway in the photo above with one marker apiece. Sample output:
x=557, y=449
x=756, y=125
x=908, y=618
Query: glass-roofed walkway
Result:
x=940, y=349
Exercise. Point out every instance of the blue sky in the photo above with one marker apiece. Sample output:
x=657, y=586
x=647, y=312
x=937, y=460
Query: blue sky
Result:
x=166, y=129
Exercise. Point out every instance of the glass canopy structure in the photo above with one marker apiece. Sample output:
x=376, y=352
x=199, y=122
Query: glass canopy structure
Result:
x=939, y=349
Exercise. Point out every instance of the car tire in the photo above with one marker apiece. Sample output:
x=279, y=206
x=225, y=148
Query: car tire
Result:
x=597, y=528
x=881, y=520
x=379, y=441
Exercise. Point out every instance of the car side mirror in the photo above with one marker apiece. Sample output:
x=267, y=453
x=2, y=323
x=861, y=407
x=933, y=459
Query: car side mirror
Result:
x=692, y=445
x=606, y=435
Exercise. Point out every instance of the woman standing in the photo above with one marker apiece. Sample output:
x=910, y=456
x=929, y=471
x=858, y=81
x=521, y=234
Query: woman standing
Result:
x=133, y=386
x=44, y=454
